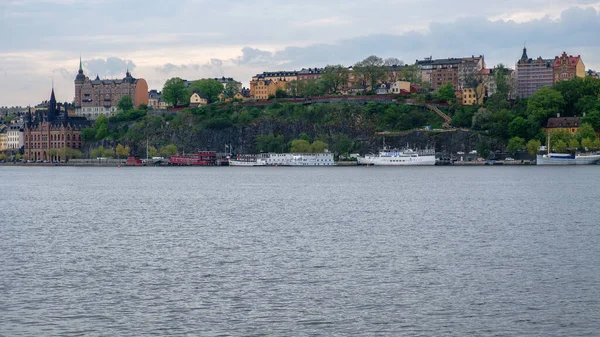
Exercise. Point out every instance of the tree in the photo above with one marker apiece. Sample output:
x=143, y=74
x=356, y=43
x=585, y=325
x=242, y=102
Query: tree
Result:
x=596, y=145
x=108, y=153
x=96, y=153
x=143, y=106
x=393, y=64
x=168, y=151
x=209, y=87
x=560, y=146
x=335, y=77
x=446, y=93
x=280, y=93
x=88, y=134
x=483, y=148
x=300, y=146
x=593, y=119
x=175, y=93
x=515, y=144
x=102, y=132
x=318, y=146
x=370, y=71
x=585, y=131
x=573, y=144
x=152, y=152
x=587, y=144
x=532, y=146
x=122, y=151
x=125, y=103
x=519, y=127
x=544, y=103
x=231, y=88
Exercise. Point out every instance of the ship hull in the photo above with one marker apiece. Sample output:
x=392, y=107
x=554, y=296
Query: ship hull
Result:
x=567, y=160
x=397, y=161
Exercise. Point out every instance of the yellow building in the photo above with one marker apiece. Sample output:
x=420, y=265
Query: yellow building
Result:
x=3, y=140
x=263, y=89
x=569, y=124
x=197, y=99
x=470, y=97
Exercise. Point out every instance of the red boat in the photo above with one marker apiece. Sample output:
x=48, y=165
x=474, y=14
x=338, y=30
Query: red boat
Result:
x=134, y=161
x=202, y=158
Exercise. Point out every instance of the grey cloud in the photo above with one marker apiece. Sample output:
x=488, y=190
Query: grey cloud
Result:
x=64, y=73
x=112, y=66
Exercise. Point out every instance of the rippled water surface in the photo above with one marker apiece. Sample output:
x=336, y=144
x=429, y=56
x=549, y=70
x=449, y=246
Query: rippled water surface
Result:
x=440, y=251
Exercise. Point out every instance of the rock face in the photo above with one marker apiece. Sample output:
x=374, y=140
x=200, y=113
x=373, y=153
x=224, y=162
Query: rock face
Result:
x=243, y=139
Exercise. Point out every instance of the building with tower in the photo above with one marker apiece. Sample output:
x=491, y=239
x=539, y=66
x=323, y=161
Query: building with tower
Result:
x=568, y=67
x=532, y=74
x=96, y=97
x=48, y=133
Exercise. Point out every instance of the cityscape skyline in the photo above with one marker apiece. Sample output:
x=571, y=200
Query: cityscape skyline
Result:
x=34, y=57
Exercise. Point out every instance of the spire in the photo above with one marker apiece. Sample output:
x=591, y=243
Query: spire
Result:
x=524, y=57
x=80, y=64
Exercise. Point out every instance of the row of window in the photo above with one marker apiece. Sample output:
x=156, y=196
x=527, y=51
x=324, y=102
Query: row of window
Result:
x=55, y=145
x=53, y=137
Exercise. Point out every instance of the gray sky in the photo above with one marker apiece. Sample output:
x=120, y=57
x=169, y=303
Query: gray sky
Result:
x=157, y=39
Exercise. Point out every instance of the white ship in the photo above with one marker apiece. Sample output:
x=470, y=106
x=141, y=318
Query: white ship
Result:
x=296, y=159
x=567, y=159
x=407, y=157
x=246, y=163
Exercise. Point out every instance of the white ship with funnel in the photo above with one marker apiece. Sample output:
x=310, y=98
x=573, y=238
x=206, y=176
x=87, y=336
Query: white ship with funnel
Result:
x=406, y=157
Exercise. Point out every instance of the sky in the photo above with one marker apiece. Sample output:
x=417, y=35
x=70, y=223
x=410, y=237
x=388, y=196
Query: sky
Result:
x=42, y=40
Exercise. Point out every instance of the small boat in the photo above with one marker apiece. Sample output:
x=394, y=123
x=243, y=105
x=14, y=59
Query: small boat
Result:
x=566, y=158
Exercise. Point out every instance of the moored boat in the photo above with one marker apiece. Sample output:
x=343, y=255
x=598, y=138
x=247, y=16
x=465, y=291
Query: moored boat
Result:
x=202, y=158
x=405, y=157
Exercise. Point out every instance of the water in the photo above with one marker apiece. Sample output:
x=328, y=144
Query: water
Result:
x=427, y=251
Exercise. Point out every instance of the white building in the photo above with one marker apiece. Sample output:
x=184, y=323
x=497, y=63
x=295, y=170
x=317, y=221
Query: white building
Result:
x=14, y=136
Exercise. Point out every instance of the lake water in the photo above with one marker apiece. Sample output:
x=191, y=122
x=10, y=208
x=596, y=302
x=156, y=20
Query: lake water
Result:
x=425, y=251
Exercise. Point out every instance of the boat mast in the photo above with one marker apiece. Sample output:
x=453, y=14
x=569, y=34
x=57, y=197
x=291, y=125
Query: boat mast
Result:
x=146, y=148
x=548, y=145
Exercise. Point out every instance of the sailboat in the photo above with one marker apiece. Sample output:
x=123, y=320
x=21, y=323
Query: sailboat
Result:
x=565, y=158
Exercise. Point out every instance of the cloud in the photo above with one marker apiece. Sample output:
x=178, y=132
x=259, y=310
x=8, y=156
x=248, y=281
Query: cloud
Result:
x=112, y=66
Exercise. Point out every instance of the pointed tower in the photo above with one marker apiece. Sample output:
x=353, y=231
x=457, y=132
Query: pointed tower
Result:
x=51, y=114
x=28, y=116
x=524, y=57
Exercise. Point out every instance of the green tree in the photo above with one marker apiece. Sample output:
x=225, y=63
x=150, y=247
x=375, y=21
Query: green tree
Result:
x=544, y=103
x=370, y=71
x=519, y=127
x=168, y=151
x=483, y=148
x=596, y=145
x=280, y=93
x=532, y=146
x=335, y=77
x=125, y=103
x=585, y=131
x=592, y=118
x=102, y=132
x=559, y=146
x=573, y=144
x=300, y=146
x=515, y=144
x=97, y=152
x=231, y=88
x=122, y=151
x=175, y=93
x=211, y=88
x=88, y=134
x=143, y=107
x=587, y=143
x=108, y=153
x=318, y=147
x=446, y=93
x=152, y=152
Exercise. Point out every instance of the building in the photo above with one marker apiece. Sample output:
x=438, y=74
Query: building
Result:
x=533, y=74
x=3, y=139
x=440, y=72
x=591, y=73
x=400, y=87
x=469, y=96
x=383, y=89
x=47, y=132
x=155, y=100
x=14, y=134
x=568, y=67
x=569, y=124
x=97, y=97
x=264, y=89
x=469, y=71
x=198, y=99
x=309, y=74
